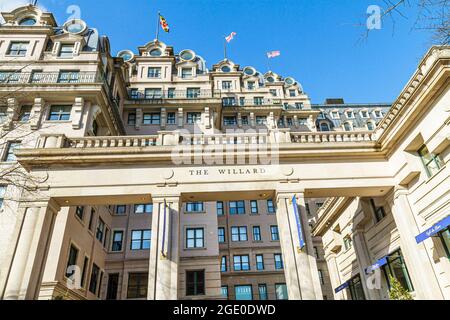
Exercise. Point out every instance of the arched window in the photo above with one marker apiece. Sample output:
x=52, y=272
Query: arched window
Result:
x=324, y=127
x=348, y=126
x=370, y=126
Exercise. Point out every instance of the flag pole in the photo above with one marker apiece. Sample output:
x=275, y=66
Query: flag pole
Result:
x=157, y=26
x=225, y=48
x=268, y=63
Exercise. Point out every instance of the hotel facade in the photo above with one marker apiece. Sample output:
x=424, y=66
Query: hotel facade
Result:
x=148, y=175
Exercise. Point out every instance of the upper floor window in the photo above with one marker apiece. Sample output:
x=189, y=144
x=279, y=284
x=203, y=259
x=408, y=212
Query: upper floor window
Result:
x=195, y=283
x=378, y=114
x=275, y=233
x=292, y=93
x=370, y=126
x=348, y=243
x=298, y=105
x=154, y=72
x=193, y=117
x=244, y=120
x=18, y=49
x=364, y=114
x=193, y=93
x=100, y=230
x=71, y=261
x=257, y=233
x=324, y=127
x=259, y=262
x=186, y=73
x=432, y=163
x=9, y=76
x=270, y=206
x=11, y=147
x=152, y=118
x=59, y=113
x=335, y=115
x=30, y=21
x=273, y=92
x=251, y=85
x=117, y=241
x=141, y=239
x=132, y=119
x=195, y=207
x=137, y=285
x=258, y=101
x=25, y=113
x=379, y=212
x=66, y=51
x=153, y=93
x=239, y=234
x=350, y=114
x=261, y=120
x=121, y=209
x=229, y=121
x=278, y=262
x=219, y=208
x=134, y=93
x=221, y=234
x=2, y=195
x=69, y=76
x=254, y=207
x=143, y=208
x=229, y=101
x=195, y=238
x=237, y=207
x=79, y=212
x=348, y=126
x=226, y=85
x=241, y=263
x=171, y=118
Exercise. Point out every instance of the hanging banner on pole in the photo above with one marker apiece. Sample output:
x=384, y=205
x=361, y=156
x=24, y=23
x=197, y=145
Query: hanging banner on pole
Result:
x=299, y=223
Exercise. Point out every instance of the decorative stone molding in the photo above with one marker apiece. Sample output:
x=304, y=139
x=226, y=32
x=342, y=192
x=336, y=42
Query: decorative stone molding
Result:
x=163, y=118
x=180, y=117
x=139, y=117
x=11, y=113
x=77, y=113
x=36, y=113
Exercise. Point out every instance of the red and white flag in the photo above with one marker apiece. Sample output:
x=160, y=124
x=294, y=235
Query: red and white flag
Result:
x=230, y=37
x=273, y=54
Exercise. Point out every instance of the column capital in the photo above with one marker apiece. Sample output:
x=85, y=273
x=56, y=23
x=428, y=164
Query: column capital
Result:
x=282, y=194
x=172, y=197
x=40, y=203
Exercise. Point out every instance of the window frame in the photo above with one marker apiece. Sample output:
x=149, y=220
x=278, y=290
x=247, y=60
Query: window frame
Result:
x=141, y=240
x=195, y=238
x=238, y=260
x=20, y=51
x=196, y=282
x=239, y=234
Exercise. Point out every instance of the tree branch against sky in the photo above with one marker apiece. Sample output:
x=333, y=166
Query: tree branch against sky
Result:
x=432, y=16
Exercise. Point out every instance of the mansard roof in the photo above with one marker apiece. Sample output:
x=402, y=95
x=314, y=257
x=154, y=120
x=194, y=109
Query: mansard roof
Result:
x=19, y=14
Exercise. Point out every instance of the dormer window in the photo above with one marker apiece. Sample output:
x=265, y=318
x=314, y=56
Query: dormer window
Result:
x=66, y=50
x=186, y=73
x=348, y=126
x=364, y=114
x=250, y=71
x=75, y=26
x=17, y=49
x=370, y=126
x=273, y=92
x=251, y=85
x=350, y=114
x=226, y=85
x=270, y=79
x=187, y=55
x=154, y=72
x=292, y=93
x=335, y=115
x=155, y=52
x=26, y=22
x=378, y=114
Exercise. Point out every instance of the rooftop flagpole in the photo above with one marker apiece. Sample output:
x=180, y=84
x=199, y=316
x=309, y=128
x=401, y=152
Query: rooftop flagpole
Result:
x=225, y=48
x=157, y=26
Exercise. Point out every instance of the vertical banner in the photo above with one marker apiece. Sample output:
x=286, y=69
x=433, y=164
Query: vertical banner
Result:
x=164, y=251
x=299, y=223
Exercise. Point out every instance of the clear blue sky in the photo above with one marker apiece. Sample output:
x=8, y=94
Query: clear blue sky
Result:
x=319, y=39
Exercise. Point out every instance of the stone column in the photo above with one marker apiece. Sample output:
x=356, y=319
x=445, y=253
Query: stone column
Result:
x=362, y=255
x=417, y=258
x=165, y=251
x=334, y=275
x=302, y=276
x=32, y=239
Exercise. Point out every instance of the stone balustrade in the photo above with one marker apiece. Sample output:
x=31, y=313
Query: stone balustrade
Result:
x=324, y=137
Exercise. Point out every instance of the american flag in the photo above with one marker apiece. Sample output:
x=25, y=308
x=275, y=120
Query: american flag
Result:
x=230, y=37
x=273, y=54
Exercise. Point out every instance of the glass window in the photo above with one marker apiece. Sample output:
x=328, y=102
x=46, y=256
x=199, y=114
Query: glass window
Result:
x=25, y=113
x=219, y=208
x=445, y=237
x=91, y=219
x=230, y=121
x=132, y=119
x=262, y=290
x=316, y=253
x=348, y=126
x=18, y=49
x=270, y=206
x=221, y=232
x=335, y=115
x=171, y=93
x=275, y=233
x=193, y=93
x=292, y=93
x=350, y=114
x=257, y=233
x=195, y=207
x=193, y=117
x=94, y=279
x=237, y=207
x=143, y=208
x=324, y=127
x=154, y=72
x=121, y=209
x=84, y=271
x=224, y=291
x=153, y=93
x=299, y=105
x=258, y=101
x=79, y=212
x=134, y=93
x=356, y=289
x=254, y=207
x=195, y=238
x=195, y=283
x=12, y=146
x=186, y=73
x=171, y=118
x=60, y=113
x=223, y=264
x=273, y=92
x=226, y=69
x=364, y=114
x=379, y=212
x=155, y=52
x=9, y=76
x=281, y=292
x=241, y=263
x=432, y=163
x=244, y=120
x=100, y=230
x=117, y=241
x=251, y=85
x=261, y=120
x=113, y=286
x=27, y=22
x=71, y=261
x=226, y=85
x=239, y=234
x=141, y=239
x=378, y=114
x=229, y=101
x=69, y=76
x=66, y=51
x=152, y=118
x=348, y=243
x=396, y=268
x=321, y=278
x=137, y=286
x=243, y=293
x=278, y=262
x=370, y=126
x=259, y=262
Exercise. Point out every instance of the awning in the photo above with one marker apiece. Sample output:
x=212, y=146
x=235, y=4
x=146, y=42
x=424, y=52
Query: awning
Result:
x=342, y=287
x=438, y=227
x=378, y=265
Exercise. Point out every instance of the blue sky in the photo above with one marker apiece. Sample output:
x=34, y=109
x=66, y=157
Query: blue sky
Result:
x=318, y=39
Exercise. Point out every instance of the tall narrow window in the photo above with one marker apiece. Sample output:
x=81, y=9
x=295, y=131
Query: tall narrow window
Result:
x=71, y=261
x=221, y=233
x=379, y=212
x=257, y=233
x=278, y=262
x=25, y=113
x=321, y=278
x=91, y=219
x=270, y=207
x=113, y=286
x=432, y=163
x=94, y=279
x=396, y=267
x=275, y=233
x=223, y=264
x=117, y=241
x=171, y=118
x=12, y=146
x=84, y=271
x=254, y=206
x=100, y=230
x=356, y=289
x=281, y=291
x=219, y=207
x=259, y=262
x=262, y=289
x=79, y=212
